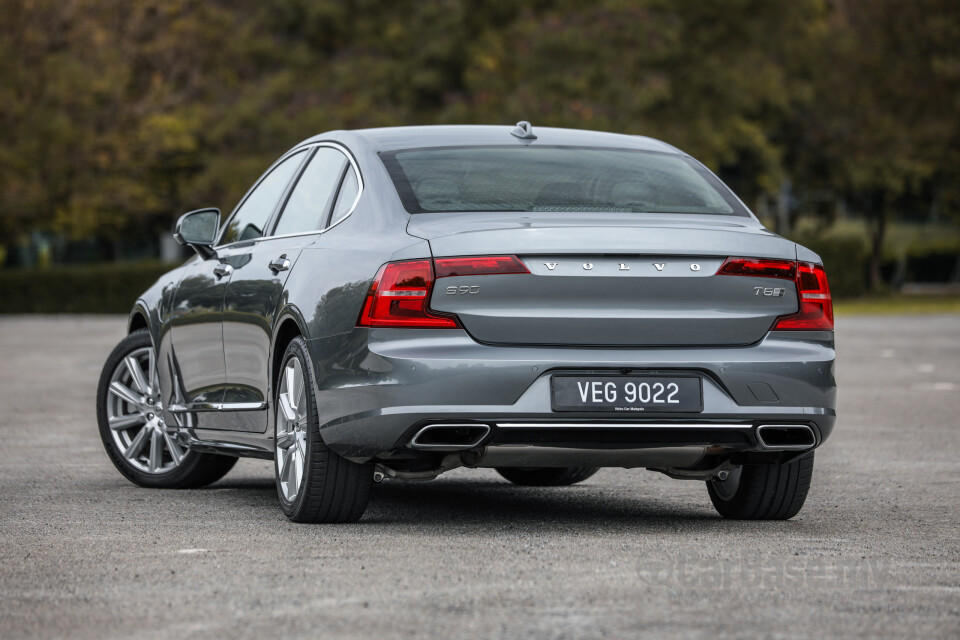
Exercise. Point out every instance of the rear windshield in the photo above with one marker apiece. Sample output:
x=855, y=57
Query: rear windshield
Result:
x=532, y=178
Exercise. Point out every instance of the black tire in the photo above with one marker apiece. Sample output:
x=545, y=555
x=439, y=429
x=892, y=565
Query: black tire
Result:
x=332, y=489
x=764, y=491
x=546, y=476
x=195, y=469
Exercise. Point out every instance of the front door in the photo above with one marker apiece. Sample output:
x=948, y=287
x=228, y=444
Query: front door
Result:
x=198, y=373
x=197, y=314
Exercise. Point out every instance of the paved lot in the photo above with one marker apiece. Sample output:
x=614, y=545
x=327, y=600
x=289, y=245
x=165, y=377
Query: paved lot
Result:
x=875, y=552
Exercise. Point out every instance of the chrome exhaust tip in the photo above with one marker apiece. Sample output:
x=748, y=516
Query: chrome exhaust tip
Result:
x=786, y=437
x=450, y=437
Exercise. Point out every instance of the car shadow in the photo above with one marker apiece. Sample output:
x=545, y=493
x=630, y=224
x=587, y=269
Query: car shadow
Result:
x=482, y=505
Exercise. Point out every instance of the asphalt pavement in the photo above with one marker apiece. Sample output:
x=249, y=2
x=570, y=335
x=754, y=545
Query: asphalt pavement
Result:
x=874, y=553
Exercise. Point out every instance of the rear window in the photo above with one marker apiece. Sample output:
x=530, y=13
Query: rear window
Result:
x=544, y=178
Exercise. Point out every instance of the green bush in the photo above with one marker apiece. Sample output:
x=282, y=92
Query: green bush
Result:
x=845, y=257
x=103, y=288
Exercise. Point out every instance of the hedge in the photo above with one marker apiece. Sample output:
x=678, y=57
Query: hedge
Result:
x=846, y=259
x=113, y=288
x=102, y=288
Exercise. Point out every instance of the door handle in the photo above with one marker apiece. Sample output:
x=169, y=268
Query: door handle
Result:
x=222, y=270
x=279, y=264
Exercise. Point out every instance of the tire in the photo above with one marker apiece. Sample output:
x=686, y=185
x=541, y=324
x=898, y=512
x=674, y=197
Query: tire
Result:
x=546, y=476
x=125, y=417
x=763, y=491
x=314, y=484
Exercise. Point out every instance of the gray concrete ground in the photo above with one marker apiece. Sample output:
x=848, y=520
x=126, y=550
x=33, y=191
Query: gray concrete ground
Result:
x=85, y=554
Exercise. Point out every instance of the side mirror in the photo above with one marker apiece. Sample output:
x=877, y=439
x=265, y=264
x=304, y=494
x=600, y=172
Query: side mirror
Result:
x=198, y=229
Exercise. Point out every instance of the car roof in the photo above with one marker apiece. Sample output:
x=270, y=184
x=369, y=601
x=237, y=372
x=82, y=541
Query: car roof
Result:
x=393, y=138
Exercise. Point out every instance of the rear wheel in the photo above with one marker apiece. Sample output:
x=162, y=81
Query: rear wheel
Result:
x=763, y=491
x=130, y=414
x=314, y=483
x=546, y=476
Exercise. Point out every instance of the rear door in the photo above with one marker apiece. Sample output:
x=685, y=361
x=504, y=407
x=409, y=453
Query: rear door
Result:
x=260, y=270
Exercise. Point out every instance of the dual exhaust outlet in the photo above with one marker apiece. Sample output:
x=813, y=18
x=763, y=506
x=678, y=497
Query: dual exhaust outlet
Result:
x=786, y=437
x=450, y=437
x=466, y=436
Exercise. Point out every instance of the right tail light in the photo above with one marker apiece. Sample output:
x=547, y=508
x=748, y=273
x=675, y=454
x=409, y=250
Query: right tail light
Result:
x=816, y=303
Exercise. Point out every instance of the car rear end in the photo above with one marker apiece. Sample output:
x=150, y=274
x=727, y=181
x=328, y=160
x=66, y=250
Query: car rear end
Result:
x=585, y=306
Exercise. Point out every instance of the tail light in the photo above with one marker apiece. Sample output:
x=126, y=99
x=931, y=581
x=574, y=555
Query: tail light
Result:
x=759, y=268
x=816, y=304
x=479, y=266
x=399, y=297
x=400, y=294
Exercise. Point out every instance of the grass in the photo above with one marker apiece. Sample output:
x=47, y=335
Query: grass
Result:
x=898, y=303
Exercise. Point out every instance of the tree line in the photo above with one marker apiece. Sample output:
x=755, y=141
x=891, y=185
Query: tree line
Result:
x=119, y=114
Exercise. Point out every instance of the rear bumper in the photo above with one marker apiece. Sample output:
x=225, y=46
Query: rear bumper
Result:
x=400, y=380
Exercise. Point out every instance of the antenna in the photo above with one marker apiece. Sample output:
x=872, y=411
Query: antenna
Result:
x=524, y=131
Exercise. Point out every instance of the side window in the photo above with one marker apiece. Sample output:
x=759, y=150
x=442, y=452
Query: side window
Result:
x=249, y=220
x=348, y=193
x=307, y=207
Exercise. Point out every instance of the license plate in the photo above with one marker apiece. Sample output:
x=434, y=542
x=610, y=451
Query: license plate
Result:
x=627, y=394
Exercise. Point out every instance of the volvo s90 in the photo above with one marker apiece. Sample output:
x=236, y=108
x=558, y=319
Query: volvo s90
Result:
x=396, y=303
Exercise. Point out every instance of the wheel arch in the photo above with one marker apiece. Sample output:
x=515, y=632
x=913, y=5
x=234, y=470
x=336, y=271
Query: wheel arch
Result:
x=289, y=325
x=138, y=318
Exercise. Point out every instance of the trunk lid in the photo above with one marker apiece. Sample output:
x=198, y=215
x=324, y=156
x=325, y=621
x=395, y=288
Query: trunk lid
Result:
x=609, y=279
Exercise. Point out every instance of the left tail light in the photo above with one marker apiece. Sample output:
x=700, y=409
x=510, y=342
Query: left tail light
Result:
x=400, y=294
x=399, y=297
x=479, y=266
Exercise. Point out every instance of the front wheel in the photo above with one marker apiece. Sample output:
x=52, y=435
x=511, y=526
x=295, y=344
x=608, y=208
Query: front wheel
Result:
x=763, y=491
x=314, y=483
x=546, y=476
x=130, y=413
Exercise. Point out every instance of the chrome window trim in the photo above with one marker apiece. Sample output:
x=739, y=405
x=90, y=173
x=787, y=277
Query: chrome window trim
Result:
x=250, y=191
x=307, y=147
x=356, y=172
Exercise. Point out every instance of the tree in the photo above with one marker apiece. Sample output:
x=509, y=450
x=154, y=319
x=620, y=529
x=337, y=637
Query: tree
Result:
x=104, y=107
x=715, y=79
x=120, y=114
x=883, y=124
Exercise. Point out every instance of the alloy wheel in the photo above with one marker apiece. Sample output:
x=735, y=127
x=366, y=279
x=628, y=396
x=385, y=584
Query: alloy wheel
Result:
x=291, y=441
x=135, y=415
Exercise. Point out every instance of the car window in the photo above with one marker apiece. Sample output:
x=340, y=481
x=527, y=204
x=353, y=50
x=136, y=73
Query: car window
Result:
x=248, y=221
x=347, y=195
x=533, y=179
x=307, y=207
